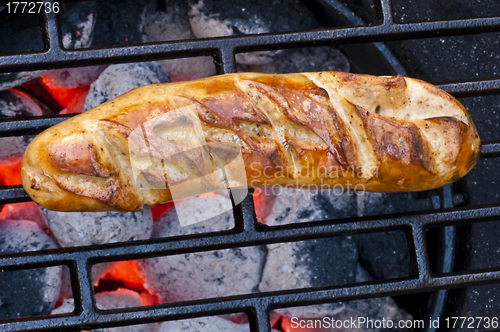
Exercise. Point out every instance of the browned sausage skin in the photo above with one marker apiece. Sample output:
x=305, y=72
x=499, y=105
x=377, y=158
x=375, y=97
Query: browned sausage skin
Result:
x=304, y=130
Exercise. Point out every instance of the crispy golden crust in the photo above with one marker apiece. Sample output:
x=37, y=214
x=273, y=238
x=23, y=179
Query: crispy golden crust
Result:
x=323, y=129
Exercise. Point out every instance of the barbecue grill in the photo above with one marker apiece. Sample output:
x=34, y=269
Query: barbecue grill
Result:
x=248, y=232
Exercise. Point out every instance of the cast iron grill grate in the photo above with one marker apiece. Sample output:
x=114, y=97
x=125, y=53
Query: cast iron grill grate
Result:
x=247, y=231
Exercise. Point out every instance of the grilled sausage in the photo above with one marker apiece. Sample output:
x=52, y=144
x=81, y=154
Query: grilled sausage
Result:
x=309, y=130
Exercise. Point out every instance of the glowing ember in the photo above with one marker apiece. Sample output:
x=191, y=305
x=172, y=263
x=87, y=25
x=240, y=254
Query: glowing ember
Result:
x=71, y=99
x=22, y=211
x=127, y=272
x=10, y=173
x=76, y=105
x=127, y=275
x=158, y=210
x=264, y=201
x=148, y=298
x=274, y=318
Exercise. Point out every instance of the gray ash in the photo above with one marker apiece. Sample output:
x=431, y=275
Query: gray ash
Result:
x=211, y=274
x=312, y=263
x=211, y=18
x=26, y=292
x=89, y=228
x=373, y=308
x=170, y=22
x=168, y=224
x=118, y=79
x=77, y=23
x=15, y=104
x=10, y=80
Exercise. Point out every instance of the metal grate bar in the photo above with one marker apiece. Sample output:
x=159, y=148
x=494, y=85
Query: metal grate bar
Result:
x=490, y=150
x=247, y=232
x=261, y=321
x=52, y=31
x=83, y=294
x=419, y=245
x=386, y=12
x=259, y=304
x=142, y=315
x=29, y=126
x=56, y=57
x=178, y=245
x=224, y=60
x=13, y=194
x=472, y=88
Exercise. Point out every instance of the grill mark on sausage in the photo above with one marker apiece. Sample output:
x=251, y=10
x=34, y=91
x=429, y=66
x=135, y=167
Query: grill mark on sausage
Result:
x=359, y=153
x=300, y=106
x=79, y=157
x=267, y=149
x=397, y=139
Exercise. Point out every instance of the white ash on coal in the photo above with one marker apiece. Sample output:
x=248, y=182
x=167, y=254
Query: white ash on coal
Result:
x=118, y=79
x=16, y=104
x=335, y=261
x=77, y=23
x=203, y=274
x=168, y=20
x=211, y=18
x=74, y=229
x=280, y=206
x=384, y=254
x=123, y=298
x=374, y=309
x=168, y=224
x=203, y=324
x=298, y=60
x=91, y=228
x=31, y=211
x=66, y=291
x=75, y=77
x=25, y=211
x=311, y=263
x=68, y=305
x=10, y=80
x=26, y=292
